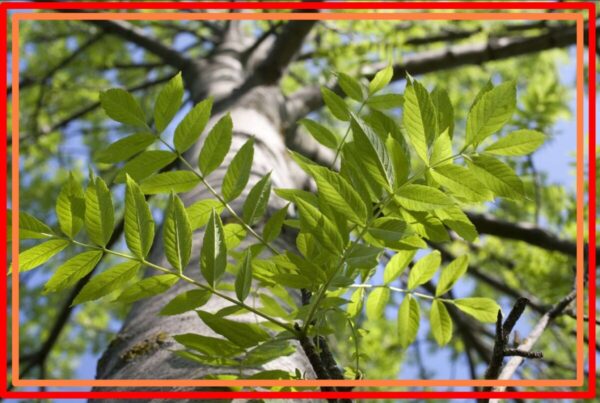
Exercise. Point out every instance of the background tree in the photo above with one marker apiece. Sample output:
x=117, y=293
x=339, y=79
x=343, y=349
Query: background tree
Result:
x=267, y=76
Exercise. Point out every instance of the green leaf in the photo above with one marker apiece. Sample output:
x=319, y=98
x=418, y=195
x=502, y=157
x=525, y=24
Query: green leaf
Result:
x=491, y=112
x=267, y=352
x=177, y=234
x=199, y=212
x=426, y=225
x=408, y=321
x=192, y=125
x=444, y=110
x=441, y=153
x=422, y=198
x=381, y=79
x=424, y=269
x=99, y=212
x=363, y=256
x=243, y=334
x=74, y=269
x=385, y=101
x=335, y=104
x=122, y=107
x=125, y=148
x=461, y=182
x=168, y=102
x=107, y=281
x=216, y=146
x=322, y=134
x=397, y=264
x=214, y=361
x=483, y=309
x=451, y=273
x=167, y=182
x=40, y=254
x=210, y=346
x=139, y=225
x=520, y=142
x=70, y=207
x=213, y=257
x=233, y=234
x=243, y=280
x=376, y=302
x=374, y=154
x=238, y=172
x=440, y=322
x=350, y=86
x=315, y=223
x=485, y=89
x=498, y=177
x=400, y=160
x=458, y=221
x=273, y=226
x=185, y=302
x=29, y=226
x=256, y=203
x=356, y=302
x=387, y=229
x=148, y=287
x=145, y=164
x=419, y=118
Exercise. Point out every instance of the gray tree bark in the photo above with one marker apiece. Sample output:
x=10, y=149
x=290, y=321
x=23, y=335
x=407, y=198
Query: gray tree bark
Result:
x=142, y=348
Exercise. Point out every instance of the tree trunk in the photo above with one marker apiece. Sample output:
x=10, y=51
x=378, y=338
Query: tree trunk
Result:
x=142, y=349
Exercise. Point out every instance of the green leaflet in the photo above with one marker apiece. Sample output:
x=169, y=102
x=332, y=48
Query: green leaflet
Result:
x=122, y=107
x=400, y=160
x=216, y=146
x=458, y=221
x=145, y=164
x=385, y=101
x=318, y=225
x=485, y=89
x=148, y=287
x=268, y=351
x=273, y=226
x=408, y=321
x=29, y=226
x=256, y=203
x=440, y=322
x=210, y=346
x=350, y=86
x=363, y=256
x=441, y=153
x=172, y=181
x=168, y=102
x=498, y=177
x=107, y=281
x=125, y=148
x=185, y=302
x=213, y=256
x=190, y=128
x=199, y=212
x=374, y=155
x=214, y=361
x=461, y=182
x=139, y=225
x=233, y=234
x=483, y=309
x=444, y=110
x=335, y=104
x=40, y=254
x=322, y=134
x=426, y=225
x=70, y=207
x=376, y=302
x=422, y=198
x=493, y=110
x=243, y=280
x=419, y=118
x=99, y=212
x=381, y=79
x=238, y=172
x=72, y=271
x=424, y=269
x=387, y=229
x=177, y=234
x=451, y=273
x=242, y=334
x=520, y=142
x=356, y=301
x=397, y=264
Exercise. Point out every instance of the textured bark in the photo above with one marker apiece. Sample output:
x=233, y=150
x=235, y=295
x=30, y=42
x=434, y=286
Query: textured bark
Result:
x=142, y=349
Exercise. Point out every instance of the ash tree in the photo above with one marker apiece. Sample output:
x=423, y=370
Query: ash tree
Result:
x=294, y=199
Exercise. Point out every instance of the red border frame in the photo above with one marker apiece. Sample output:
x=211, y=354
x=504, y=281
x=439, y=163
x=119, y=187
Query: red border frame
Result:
x=589, y=6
